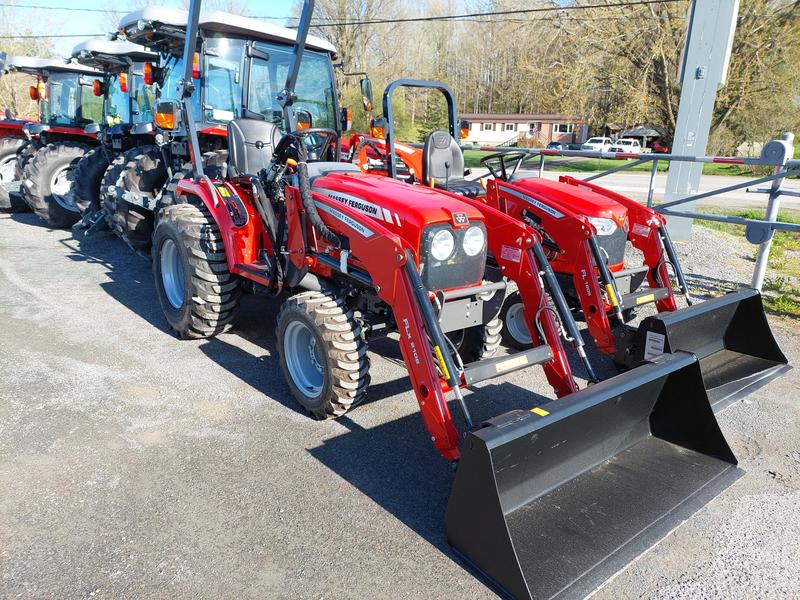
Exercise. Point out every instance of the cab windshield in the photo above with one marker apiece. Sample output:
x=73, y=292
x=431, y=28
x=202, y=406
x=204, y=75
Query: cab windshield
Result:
x=315, y=86
x=142, y=96
x=71, y=101
x=117, y=109
x=222, y=74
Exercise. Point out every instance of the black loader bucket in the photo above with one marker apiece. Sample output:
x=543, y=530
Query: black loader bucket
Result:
x=729, y=335
x=552, y=502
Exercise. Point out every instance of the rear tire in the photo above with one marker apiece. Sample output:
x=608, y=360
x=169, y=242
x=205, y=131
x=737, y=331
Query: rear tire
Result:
x=8, y=162
x=322, y=354
x=46, y=187
x=515, y=332
x=198, y=294
x=87, y=177
x=144, y=174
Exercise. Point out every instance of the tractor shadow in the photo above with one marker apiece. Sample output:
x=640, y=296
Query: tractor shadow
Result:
x=130, y=276
x=397, y=466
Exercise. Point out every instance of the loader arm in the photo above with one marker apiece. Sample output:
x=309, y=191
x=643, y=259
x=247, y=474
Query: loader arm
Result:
x=573, y=234
x=644, y=235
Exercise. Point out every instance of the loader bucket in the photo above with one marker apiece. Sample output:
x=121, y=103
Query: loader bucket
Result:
x=729, y=335
x=551, y=503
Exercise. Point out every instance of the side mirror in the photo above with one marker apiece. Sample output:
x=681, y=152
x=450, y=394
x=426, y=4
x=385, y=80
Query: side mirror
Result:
x=464, y=130
x=347, y=119
x=168, y=115
x=366, y=94
x=304, y=119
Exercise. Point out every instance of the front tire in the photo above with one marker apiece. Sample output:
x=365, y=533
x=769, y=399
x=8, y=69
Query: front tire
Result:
x=322, y=354
x=46, y=187
x=87, y=177
x=144, y=175
x=8, y=161
x=478, y=342
x=198, y=294
x=515, y=331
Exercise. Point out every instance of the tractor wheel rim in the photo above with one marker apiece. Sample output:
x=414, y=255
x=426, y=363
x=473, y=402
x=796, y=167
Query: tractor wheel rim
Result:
x=7, y=169
x=303, y=360
x=60, y=188
x=515, y=324
x=172, y=275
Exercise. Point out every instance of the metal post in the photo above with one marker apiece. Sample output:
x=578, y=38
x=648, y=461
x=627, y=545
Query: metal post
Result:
x=771, y=214
x=704, y=65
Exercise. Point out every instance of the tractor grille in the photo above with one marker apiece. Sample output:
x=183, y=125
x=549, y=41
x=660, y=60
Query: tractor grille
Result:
x=614, y=245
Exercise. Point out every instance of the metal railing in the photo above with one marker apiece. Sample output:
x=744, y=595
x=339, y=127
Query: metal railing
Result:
x=777, y=154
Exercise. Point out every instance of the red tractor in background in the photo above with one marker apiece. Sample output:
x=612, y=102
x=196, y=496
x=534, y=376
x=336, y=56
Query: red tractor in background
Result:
x=67, y=103
x=586, y=230
x=12, y=138
x=354, y=256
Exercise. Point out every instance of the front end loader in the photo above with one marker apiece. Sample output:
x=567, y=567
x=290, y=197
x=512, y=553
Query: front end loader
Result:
x=547, y=501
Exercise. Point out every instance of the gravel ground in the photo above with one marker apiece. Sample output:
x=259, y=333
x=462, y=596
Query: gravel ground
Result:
x=136, y=465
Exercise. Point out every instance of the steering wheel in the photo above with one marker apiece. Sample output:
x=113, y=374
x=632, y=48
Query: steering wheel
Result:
x=502, y=165
x=317, y=146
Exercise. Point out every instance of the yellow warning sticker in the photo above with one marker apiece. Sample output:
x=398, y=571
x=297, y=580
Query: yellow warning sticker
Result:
x=645, y=299
x=511, y=363
x=539, y=411
x=438, y=352
x=612, y=297
x=223, y=191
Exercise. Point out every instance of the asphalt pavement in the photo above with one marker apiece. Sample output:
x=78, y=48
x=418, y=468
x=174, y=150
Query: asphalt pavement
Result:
x=136, y=465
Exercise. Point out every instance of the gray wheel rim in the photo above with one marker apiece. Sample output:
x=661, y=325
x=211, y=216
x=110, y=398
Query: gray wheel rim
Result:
x=515, y=324
x=7, y=169
x=302, y=355
x=60, y=188
x=172, y=276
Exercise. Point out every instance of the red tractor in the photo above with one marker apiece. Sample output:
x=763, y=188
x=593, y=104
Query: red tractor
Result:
x=585, y=231
x=12, y=138
x=67, y=103
x=353, y=257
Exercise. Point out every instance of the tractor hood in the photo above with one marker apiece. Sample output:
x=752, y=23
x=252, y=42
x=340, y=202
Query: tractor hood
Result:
x=402, y=208
x=581, y=200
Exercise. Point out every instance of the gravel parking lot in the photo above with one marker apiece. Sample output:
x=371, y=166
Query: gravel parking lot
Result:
x=136, y=465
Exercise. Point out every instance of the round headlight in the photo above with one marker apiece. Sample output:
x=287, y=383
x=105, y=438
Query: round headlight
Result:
x=474, y=239
x=442, y=245
x=603, y=226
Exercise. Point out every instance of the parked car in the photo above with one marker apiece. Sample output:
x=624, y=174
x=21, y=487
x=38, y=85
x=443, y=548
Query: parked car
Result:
x=557, y=146
x=628, y=145
x=597, y=144
x=660, y=146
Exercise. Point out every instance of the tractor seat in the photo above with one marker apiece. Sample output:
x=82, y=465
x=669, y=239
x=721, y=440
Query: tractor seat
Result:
x=443, y=161
x=245, y=136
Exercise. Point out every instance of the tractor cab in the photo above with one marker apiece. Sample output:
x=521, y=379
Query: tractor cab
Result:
x=65, y=93
x=127, y=99
x=239, y=69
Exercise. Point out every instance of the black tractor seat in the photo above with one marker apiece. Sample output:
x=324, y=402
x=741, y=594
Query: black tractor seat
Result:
x=250, y=145
x=443, y=162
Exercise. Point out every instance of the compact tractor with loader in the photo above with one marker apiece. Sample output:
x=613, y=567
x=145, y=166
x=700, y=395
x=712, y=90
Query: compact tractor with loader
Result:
x=67, y=103
x=127, y=123
x=585, y=232
x=546, y=501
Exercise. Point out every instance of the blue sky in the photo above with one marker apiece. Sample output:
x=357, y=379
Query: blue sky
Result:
x=43, y=22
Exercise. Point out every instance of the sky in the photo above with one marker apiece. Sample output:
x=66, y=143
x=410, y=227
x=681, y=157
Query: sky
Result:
x=45, y=21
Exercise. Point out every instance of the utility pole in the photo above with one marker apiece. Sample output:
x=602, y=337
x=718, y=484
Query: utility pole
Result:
x=704, y=67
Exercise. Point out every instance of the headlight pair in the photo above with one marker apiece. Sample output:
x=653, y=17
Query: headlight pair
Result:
x=443, y=243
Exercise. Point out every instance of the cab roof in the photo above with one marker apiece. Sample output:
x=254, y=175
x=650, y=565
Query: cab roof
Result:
x=172, y=22
x=37, y=66
x=106, y=54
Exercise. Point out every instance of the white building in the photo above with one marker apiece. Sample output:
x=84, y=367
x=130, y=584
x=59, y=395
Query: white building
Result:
x=528, y=129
